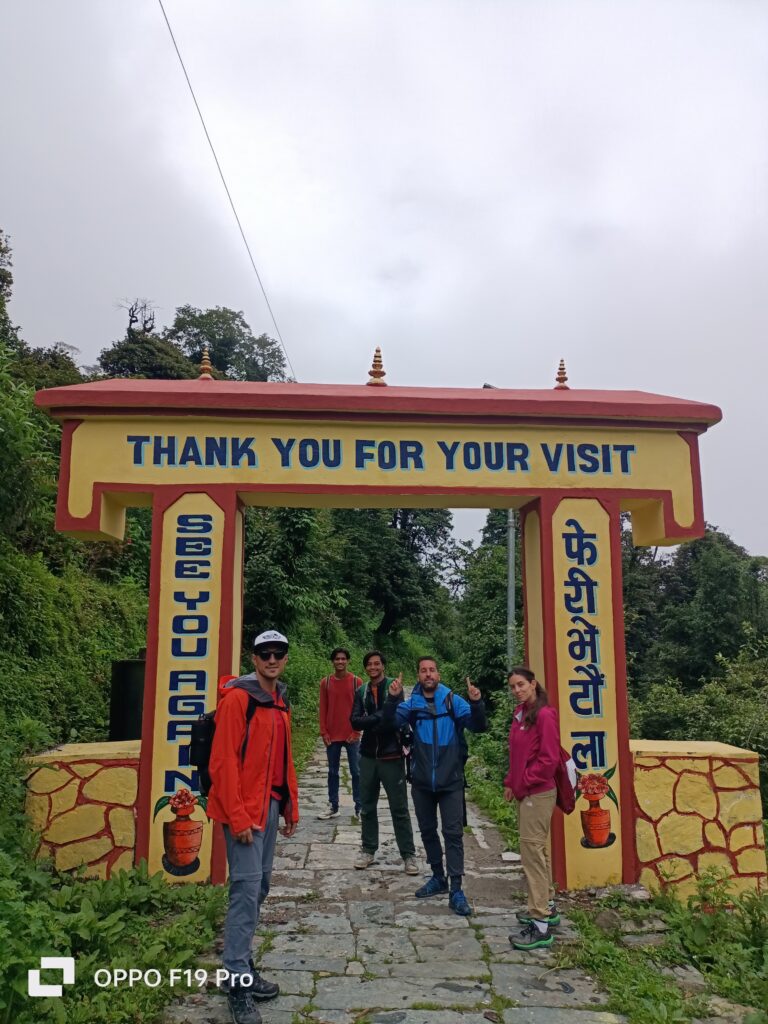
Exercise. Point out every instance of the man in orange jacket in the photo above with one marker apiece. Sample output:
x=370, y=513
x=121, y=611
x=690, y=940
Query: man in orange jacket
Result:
x=253, y=781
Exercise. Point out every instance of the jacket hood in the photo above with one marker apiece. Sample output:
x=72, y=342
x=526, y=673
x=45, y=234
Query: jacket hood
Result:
x=250, y=683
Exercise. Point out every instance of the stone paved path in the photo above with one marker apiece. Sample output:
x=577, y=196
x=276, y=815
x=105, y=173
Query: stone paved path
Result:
x=355, y=947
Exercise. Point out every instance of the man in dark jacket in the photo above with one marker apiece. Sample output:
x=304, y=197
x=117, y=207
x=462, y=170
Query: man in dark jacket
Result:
x=437, y=770
x=381, y=764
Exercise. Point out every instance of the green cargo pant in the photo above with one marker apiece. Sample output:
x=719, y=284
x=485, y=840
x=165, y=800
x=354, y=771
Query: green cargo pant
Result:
x=391, y=775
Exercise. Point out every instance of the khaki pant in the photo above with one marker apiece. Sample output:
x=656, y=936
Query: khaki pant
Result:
x=534, y=820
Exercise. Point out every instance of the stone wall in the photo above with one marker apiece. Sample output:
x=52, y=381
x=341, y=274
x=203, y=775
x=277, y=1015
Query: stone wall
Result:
x=697, y=805
x=81, y=797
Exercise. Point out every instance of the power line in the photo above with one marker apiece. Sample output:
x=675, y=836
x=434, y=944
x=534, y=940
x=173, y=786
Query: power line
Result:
x=226, y=189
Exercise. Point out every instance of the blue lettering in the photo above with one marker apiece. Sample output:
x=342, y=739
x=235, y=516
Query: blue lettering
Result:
x=625, y=450
x=190, y=781
x=190, y=453
x=138, y=441
x=387, y=455
x=363, y=454
x=553, y=460
x=472, y=458
x=517, y=457
x=284, y=449
x=181, y=624
x=216, y=451
x=200, y=651
x=607, y=459
x=192, y=569
x=588, y=453
x=494, y=455
x=189, y=677
x=242, y=449
x=165, y=452
x=411, y=452
x=195, y=524
x=332, y=456
x=191, y=603
x=186, y=706
x=193, y=546
x=449, y=451
x=309, y=453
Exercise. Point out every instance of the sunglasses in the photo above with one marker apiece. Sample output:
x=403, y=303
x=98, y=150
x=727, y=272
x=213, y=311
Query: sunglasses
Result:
x=278, y=655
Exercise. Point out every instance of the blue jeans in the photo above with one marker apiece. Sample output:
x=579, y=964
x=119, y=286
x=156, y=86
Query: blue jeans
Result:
x=333, y=753
x=250, y=872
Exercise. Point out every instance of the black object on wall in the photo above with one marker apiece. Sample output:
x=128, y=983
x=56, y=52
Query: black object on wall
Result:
x=126, y=699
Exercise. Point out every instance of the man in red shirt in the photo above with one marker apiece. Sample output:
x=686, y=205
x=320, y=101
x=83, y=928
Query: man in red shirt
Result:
x=253, y=781
x=337, y=696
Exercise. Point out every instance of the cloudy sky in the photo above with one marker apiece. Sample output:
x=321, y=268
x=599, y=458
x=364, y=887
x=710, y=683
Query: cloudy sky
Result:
x=480, y=187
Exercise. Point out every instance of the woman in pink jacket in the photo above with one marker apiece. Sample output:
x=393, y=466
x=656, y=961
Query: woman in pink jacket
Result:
x=534, y=753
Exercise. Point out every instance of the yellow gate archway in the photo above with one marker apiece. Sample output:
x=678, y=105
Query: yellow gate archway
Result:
x=198, y=451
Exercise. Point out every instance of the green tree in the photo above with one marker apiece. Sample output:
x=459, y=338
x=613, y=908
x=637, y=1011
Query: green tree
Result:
x=711, y=591
x=8, y=333
x=234, y=350
x=483, y=617
x=142, y=352
x=149, y=357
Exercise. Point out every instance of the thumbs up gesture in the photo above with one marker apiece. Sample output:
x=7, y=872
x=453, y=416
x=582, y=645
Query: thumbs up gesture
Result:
x=472, y=690
x=396, y=686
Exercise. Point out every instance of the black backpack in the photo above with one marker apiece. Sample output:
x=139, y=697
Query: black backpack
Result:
x=201, y=744
x=201, y=740
x=460, y=737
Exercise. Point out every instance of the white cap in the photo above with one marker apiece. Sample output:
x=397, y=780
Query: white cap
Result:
x=271, y=636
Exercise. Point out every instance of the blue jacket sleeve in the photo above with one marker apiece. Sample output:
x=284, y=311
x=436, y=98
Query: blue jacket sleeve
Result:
x=469, y=714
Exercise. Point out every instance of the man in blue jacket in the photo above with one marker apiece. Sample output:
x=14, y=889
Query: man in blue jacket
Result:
x=436, y=716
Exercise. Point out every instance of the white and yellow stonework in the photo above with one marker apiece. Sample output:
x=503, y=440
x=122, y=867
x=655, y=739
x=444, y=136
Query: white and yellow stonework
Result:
x=81, y=797
x=697, y=806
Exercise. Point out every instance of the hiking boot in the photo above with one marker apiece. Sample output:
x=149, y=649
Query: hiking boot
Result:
x=331, y=812
x=531, y=938
x=433, y=886
x=410, y=866
x=458, y=903
x=241, y=1006
x=261, y=989
x=364, y=860
x=552, y=919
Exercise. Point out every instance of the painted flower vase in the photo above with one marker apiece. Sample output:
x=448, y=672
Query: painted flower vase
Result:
x=596, y=823
x=182, y=838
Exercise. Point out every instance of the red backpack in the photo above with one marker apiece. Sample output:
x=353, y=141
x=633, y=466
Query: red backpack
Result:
x=565, y=782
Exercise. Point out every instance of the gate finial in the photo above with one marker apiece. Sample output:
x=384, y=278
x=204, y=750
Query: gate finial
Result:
x=377, y=371
x=561, y=378
x=205, y=365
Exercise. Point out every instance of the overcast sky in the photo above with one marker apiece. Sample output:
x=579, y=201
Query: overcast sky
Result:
x=479, y=187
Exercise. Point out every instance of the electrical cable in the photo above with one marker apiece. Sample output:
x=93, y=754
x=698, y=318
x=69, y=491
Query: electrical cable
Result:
x=226, y=189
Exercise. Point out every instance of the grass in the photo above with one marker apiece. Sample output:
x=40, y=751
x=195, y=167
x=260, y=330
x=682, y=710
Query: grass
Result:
x=489, y=797
x=633, y=982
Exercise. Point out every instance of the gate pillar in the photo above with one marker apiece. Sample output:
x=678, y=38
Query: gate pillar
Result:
x=574, y=623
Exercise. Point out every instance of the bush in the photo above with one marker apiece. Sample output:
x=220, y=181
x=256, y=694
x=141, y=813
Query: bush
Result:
x=725, y=936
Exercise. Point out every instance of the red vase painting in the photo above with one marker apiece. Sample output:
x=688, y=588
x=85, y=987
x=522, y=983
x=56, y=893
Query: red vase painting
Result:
x=182, y=836
x=596, y=820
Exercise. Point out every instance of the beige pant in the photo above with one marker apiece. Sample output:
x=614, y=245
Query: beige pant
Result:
x=534, y=821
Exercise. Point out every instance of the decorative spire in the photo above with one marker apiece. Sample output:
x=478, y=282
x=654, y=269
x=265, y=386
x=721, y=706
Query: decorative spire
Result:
x=377, y=371
x=205, y=365
x=561, y=378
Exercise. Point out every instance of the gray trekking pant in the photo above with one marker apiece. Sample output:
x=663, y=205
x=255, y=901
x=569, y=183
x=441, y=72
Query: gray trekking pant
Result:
x=250, y=872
